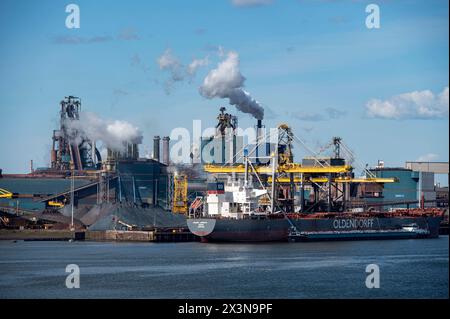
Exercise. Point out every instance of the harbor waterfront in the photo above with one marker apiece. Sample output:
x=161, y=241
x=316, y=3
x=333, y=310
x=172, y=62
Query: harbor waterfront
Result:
x=408, y=269
x=225, y=158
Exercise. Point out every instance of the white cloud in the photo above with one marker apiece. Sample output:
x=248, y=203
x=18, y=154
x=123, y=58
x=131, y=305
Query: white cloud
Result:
x=430, y=157
x=310, y=117
x=413, y=105
x=128, y=34
x=67, y=39
x=250, y=3
x=330, y=113
x=334, y=113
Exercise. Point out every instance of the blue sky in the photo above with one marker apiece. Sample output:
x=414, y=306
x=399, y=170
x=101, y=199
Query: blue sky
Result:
x=313, y=64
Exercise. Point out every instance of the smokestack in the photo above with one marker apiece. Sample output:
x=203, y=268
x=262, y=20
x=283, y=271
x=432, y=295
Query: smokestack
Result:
x=165, y=146
x=129, y=150
x=259, y=138
x=135, y=151
x=156, y=143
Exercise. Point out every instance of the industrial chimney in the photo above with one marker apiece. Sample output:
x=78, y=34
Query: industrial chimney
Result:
x=165, y=149
x=156, y=143
x=259, y=139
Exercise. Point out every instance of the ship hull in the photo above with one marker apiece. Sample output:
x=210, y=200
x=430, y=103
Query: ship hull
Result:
x=316, y=229
x=230, y=230
x=363, y=235
x=370, y=224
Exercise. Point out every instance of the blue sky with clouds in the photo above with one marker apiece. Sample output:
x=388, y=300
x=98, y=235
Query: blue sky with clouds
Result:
x=313, y=64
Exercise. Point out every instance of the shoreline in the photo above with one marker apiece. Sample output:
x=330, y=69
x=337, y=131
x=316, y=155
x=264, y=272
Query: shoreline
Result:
x=108, y=235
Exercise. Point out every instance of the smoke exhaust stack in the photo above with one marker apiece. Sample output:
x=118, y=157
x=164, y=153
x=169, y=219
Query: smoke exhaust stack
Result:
x=165, y=145
x=156, y=143
x=259, y=138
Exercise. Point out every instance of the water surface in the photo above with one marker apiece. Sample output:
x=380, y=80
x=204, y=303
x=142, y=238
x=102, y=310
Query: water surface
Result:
x=408, y=269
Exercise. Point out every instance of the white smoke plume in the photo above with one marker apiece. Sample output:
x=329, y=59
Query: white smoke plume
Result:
x=196, y=64
x=167, y=61
x=226, y=81
x=114, y=134
x=178, y=72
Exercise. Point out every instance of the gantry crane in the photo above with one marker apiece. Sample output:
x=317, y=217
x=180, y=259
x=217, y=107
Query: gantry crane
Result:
x=328, y=178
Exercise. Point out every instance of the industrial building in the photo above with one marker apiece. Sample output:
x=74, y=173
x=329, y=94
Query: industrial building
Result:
x=415, y=183
x=121, y=190
x=126, y=192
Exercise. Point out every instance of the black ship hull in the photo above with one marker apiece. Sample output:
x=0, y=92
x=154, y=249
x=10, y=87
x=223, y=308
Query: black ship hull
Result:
x=312, y=229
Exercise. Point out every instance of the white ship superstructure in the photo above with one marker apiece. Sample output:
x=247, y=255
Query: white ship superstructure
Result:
x=236, y=199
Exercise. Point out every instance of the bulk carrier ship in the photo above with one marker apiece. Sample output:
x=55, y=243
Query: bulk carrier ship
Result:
x=262, y=201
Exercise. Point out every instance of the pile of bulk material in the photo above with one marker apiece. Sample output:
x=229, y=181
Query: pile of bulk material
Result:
x=117, y=216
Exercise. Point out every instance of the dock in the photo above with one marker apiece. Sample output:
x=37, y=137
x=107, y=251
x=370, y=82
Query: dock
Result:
x=107, y=235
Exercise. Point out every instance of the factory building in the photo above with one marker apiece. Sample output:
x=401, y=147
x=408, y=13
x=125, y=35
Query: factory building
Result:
x=143, y=183
x=99, y=190
x=412, y=187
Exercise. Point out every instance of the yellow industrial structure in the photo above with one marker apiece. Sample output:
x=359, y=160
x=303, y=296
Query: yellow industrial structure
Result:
x=180, y=194
x=55, y=204
x=298, y=180
x=5, y=193
x=327, y=178
x=285, y=168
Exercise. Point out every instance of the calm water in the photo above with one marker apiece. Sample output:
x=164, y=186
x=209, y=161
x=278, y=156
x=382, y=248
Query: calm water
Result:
x=408, y=269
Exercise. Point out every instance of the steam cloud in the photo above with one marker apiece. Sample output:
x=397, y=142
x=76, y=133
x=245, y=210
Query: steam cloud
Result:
x=226, y=81
x=178, y=72
x=196, y=64
x=113, y=133
x=167, y=61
